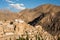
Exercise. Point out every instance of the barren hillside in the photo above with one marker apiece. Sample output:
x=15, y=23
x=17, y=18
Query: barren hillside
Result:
x=7, y=15
x=46, y=15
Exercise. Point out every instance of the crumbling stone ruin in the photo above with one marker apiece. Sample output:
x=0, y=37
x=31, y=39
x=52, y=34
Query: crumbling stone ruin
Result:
x=12, y=30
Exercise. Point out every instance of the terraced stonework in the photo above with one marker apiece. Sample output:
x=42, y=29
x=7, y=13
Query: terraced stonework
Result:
x=12, y=30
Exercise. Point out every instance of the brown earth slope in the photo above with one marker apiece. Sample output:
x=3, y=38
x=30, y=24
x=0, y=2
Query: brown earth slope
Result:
x=7, y=15
x=30, y=14
x=46, y=15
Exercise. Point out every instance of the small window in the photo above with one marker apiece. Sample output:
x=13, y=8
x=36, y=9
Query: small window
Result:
x=11, y=23
x=10, y=38
x=15, y=27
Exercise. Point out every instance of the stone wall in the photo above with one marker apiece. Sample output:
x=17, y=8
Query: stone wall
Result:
x=12, y=30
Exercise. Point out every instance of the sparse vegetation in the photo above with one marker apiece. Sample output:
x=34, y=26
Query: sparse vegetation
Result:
x=27, y=38
x=20, y=38
x=40, y=23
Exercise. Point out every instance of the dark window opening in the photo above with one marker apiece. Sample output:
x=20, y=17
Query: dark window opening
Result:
x=15, y=27
x=11, y=23
x=5, y=20
x=10, y=38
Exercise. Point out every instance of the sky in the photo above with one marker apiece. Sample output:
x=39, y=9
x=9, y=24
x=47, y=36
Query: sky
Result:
x=18, y=5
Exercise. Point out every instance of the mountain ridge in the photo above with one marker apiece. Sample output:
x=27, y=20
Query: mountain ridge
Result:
x=47, y=16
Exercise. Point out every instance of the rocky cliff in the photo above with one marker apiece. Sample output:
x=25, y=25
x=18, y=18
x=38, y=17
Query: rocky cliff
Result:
x=46, y=15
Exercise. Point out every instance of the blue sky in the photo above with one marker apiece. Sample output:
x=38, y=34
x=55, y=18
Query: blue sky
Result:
x=17, y=5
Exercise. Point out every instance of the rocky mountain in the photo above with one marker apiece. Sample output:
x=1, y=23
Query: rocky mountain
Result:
x=46, y=15
x=7, y=15
x=36, y=12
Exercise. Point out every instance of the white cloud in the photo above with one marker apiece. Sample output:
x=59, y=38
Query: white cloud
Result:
x=14, y=5
x=9, y=1
x=18, y=6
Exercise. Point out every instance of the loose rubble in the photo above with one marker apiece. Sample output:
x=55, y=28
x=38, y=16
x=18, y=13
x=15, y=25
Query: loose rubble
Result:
x=12, y=30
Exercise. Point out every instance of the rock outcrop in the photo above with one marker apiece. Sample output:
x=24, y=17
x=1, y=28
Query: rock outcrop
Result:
x=48, y=16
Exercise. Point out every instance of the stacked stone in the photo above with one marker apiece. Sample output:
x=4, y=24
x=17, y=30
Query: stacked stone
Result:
x=23, y=29
x=6, y=31
x=44, y=34
x=12, y=30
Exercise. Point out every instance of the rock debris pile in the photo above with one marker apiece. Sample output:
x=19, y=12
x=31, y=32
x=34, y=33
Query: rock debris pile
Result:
x=12, y=30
